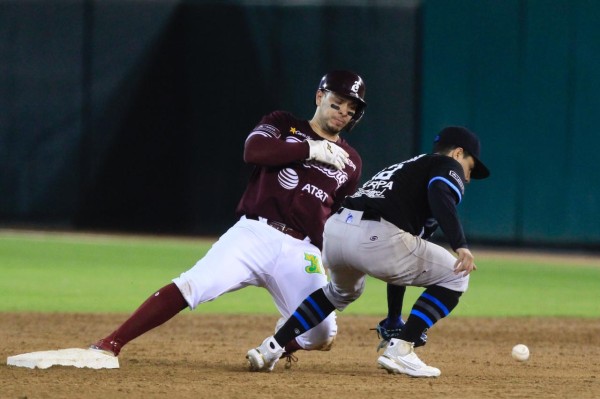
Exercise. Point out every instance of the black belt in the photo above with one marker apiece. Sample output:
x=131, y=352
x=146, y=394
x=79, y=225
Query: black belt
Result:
x=281, y=227
x=369, y=214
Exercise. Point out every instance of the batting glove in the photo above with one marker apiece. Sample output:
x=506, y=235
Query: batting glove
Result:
x=327, y=152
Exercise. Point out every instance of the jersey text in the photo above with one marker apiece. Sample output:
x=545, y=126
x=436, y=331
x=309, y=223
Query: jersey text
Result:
x=316, y=191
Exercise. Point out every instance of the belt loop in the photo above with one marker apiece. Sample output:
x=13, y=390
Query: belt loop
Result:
x=280, y=227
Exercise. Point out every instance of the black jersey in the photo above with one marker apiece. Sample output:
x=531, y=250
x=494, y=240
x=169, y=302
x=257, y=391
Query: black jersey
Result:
x=410, y=193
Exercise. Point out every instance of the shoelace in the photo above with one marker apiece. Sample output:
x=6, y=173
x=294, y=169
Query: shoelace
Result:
x=289, y=359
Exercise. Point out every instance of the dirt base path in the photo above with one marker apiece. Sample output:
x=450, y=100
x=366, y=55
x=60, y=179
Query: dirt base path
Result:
x=202, y=356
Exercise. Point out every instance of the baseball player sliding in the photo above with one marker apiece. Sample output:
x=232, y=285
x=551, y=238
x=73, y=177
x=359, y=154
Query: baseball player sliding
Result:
x=303, y=170
x=378, y=232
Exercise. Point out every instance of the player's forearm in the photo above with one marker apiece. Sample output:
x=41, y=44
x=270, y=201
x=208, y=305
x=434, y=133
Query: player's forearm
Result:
x=454, y=232
x=265, y=151
x=443, y=209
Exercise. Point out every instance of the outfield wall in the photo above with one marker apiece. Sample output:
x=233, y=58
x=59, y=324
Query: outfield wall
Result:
x=131, y=114
x=524, y=74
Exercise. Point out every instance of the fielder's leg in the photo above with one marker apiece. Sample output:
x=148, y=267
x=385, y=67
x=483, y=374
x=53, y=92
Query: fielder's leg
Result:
x=395, y=299
x=312, y=311
x=434, y=304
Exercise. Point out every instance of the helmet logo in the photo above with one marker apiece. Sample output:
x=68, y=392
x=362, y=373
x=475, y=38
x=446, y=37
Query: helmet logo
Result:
x=355, y=86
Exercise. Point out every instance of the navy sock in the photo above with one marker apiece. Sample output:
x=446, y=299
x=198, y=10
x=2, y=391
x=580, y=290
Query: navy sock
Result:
x=395, y=298
x=434, y=304
x=313, y=310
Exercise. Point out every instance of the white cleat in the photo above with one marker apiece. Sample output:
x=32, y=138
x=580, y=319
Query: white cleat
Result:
x=400, y=358
x=265, y=356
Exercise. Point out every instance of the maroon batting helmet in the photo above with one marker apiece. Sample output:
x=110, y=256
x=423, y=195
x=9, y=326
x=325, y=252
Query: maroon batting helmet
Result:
x=348, y=84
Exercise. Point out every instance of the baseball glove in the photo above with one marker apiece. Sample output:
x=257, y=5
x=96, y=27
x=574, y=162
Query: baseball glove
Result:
x=386, y=331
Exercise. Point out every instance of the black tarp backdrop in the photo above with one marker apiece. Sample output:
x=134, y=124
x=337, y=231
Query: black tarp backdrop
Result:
x=40, y=109
x=131, y=115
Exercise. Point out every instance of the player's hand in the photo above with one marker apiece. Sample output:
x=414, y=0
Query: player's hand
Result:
x=465, y=263
x=327, y=152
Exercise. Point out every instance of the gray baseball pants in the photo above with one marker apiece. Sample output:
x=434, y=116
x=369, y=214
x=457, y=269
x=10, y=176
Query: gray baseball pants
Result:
x=354, y=248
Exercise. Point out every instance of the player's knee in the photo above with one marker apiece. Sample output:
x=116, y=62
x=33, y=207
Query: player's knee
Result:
x=347, y=298
x=341, y=299
x=321, y=337
x=324, y=342
x=326, y=346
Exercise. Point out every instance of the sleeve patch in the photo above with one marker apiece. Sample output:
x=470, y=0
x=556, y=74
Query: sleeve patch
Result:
x=269, y=129
x=458, y=180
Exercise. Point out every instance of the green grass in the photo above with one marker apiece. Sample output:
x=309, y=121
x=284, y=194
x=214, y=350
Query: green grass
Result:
x=77, y=273
x=527, y=288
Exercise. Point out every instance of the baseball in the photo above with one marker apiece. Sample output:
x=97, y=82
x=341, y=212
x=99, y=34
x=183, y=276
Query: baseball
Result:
x=520, y=352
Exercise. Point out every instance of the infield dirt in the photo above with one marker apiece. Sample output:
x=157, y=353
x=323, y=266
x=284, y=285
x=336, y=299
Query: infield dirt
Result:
x=203, y=356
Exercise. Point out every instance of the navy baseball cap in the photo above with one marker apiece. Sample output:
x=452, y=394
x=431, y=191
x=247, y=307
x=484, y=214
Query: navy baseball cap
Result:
x=463, y=137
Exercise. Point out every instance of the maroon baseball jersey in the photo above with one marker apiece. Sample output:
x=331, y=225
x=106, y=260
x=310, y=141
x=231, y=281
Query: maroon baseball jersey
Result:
x=302, y=194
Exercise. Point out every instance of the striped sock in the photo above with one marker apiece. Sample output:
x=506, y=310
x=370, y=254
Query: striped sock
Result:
x=434, y=304
x=313, y=310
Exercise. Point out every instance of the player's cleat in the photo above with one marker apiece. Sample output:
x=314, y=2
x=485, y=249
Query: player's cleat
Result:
x=387, y=329
x=265, y=356
x=107, y=347
x=400, y=357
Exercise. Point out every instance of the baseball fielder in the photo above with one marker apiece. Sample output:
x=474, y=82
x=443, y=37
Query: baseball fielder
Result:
x=378, y=232
x=303, y=170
